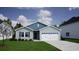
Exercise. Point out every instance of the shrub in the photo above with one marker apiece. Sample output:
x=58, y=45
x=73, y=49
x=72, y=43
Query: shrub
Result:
x=12, y=39
x=62, y=38
x=15, y=39
x=30, y=40
x=19, y=39
x=26, y=40
x=22, y=39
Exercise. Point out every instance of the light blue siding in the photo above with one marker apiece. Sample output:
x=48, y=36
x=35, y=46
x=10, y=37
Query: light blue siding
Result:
x=36, y=26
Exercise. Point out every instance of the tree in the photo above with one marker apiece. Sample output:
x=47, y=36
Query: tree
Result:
x=5, y=30
x=8, y=21
x=18, y=25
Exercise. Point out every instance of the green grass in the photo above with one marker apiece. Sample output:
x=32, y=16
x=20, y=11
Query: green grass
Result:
x=27, y=46
x=71, y=40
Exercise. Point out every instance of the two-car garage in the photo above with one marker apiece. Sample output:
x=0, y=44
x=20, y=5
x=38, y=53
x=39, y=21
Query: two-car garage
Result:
x=49, y=33
x=50, y=36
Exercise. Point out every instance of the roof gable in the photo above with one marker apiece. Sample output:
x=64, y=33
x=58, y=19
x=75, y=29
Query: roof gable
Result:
x=51, y=27
x=71, y=20
x=23, y=28
x=36, y=26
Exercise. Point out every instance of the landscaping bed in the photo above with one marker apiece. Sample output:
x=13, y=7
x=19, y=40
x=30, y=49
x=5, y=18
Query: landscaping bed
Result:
x=71, y=40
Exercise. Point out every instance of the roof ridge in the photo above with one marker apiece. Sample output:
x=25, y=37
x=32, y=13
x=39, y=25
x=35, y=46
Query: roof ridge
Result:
x=71, y=20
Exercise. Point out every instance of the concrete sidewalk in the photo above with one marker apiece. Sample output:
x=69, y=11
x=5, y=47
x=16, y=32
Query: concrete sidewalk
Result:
x=64, y=45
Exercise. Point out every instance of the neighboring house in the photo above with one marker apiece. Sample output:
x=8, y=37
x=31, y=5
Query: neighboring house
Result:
x=70, y=28
x=9, y=31
x=38, y=31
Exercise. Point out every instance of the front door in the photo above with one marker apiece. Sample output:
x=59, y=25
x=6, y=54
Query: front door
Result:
x=36, y=35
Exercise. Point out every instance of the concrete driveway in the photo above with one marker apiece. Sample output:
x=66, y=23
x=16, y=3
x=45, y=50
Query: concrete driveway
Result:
x=64, y=45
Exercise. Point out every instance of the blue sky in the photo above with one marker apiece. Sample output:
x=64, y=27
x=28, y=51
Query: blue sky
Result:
x=57, y=14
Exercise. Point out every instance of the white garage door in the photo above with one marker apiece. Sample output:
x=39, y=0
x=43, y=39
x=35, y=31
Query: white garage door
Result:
x=49, y=36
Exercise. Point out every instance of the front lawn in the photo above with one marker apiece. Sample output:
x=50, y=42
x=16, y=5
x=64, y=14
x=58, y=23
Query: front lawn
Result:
x=27, y=46
x=71, y=40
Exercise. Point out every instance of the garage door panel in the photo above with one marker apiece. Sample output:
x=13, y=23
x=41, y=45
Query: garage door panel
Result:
x=47, y=36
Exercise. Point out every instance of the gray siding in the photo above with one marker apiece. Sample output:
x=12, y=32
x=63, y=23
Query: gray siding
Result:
x=73, y=29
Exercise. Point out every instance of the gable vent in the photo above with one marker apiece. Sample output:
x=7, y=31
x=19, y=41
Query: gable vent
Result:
x=37, y=25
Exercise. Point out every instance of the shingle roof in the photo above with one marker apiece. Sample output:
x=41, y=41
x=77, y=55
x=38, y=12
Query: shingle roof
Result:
x=71, y=20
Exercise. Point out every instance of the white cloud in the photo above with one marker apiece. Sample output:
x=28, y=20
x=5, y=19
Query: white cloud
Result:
x=14, y=23
x=23, y=20
x=73, y=8
x=2, y=17
x=45, y=20
x=44, y=13
x=45, y=17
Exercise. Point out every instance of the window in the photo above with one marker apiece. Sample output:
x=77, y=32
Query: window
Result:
x=21, y=34
x=27, y=34
x=67, y=33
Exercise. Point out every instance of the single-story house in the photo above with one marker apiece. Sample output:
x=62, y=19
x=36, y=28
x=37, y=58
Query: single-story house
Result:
x=70, y=28
x=38, y=31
